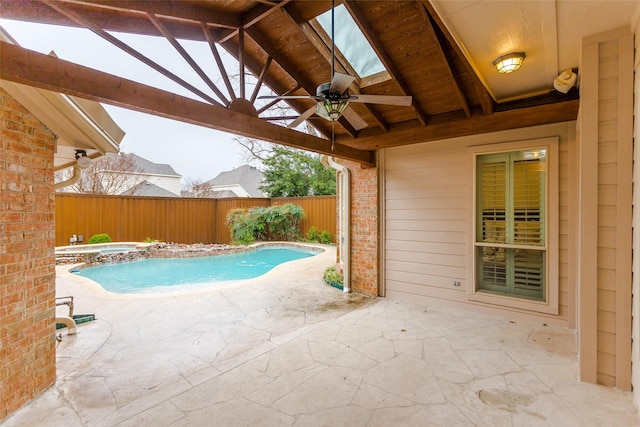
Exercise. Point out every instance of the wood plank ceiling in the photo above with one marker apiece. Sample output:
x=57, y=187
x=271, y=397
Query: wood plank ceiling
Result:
x=281, y=44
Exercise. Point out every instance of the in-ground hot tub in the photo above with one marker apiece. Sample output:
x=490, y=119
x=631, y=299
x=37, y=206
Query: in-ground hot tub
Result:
x=101, y=248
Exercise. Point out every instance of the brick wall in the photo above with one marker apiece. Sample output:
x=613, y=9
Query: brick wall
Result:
x=27, y=272
x=364, y=229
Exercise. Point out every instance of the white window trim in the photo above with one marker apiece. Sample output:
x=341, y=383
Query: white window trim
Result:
x=552, y=290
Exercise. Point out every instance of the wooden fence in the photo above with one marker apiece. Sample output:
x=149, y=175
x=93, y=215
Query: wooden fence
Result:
x=129, y=218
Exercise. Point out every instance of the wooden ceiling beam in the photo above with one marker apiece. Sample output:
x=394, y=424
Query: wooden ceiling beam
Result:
x=301, y=78
x=216, y=55
x=307, y=84
x=377, y=118
x=377, y=46
x=438, y=43
x=251, y=17
x=167, y=9
x=267, y=2
x=453, y=125
x=258, y=13
x=261, y=77
x=266, y=46
x=486, y=101
x=125, y=47
x=321, y=41
x=346, y=125
x=241, y=63
x=47, y=72
x=185, y=55
x=255, y=65
x=124, y=15
x=275, y=101
x=323, y=47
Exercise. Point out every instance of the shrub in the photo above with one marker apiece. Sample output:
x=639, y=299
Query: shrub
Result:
x=325, y=237
x=279, y=222
x=284, y=221
x=243, y=226
x=100, y=238
x=333, y=276
x=313, y=235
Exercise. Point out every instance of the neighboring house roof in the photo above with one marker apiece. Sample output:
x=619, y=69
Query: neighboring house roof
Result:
x=145, y=188
x=248, y=178
x=148, y=167
x=224, y=194
x=136, y=169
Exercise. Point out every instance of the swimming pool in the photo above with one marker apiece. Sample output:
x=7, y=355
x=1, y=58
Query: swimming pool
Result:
x=157, y=275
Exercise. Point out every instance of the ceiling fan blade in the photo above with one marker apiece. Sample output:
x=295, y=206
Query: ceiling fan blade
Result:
x=315, y=98
x=340, y=82
x=404, y=101
x=354, y=119
x=304, y=116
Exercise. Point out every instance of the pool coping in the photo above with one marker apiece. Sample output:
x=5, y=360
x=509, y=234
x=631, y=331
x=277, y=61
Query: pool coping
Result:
x=225, y=250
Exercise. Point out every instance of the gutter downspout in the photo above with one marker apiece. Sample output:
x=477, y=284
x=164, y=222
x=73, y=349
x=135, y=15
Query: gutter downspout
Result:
x=344, y=217
x=77, y=174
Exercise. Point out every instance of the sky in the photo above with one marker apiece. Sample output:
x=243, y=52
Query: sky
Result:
x=195, y=152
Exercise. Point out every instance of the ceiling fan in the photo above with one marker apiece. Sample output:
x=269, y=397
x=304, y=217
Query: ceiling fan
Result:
x=333, y=97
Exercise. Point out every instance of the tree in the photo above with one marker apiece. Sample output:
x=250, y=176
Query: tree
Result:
x=196, y=188
x=291, y=172
x=255, y=150
x=258, y=151
x=107, y=175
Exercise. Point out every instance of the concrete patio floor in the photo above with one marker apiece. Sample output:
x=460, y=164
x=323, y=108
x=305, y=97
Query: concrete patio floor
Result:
x=286, y=349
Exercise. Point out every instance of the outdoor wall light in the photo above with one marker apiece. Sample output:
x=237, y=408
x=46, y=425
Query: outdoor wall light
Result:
x=82, y=159
x=510, y=62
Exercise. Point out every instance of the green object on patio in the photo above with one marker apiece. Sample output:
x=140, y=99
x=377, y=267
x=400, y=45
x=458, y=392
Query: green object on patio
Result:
x=334, y=277
x=78, y=318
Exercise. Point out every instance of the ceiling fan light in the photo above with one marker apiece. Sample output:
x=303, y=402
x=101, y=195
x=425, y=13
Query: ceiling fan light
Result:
x=509, y=63
x=332, y=109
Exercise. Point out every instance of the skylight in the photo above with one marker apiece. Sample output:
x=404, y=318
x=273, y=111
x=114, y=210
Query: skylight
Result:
x=351, y=42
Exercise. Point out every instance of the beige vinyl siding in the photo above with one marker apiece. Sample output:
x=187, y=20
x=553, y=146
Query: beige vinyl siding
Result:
x=426, y=232
x=636, y=218
x=607, y=198
x=566, y=185
x=607, y=211
x=605, y=260
x=426, y=214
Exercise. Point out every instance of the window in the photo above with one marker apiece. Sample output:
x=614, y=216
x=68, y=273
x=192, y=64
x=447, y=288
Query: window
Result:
x=510, y=215
x=515, y=225
x=350, y=41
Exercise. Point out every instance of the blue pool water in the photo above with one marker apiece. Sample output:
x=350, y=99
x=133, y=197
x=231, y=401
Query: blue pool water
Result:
x=168, y=274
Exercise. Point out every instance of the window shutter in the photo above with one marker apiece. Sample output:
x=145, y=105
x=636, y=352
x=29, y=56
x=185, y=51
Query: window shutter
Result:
x=510, y=212
x=493, y=185
x=528, y=271
x=528, y=202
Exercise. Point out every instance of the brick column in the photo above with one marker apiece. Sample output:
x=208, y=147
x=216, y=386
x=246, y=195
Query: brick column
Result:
x=364, y=229
x=27, y=265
